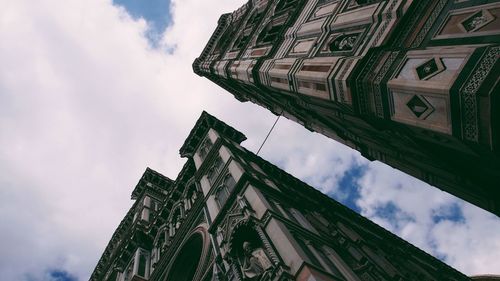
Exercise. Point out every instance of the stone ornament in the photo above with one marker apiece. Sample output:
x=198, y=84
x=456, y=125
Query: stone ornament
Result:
x=476, y=21
x=429, y=68
x=343, y=42
x=420, y=106
x=255, y=263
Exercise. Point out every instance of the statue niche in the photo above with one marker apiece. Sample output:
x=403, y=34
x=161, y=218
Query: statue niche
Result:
x=248, y=251
x=255, y=261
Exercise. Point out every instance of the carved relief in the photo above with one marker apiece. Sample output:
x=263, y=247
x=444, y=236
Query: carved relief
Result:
x=420, y=107
x=250, y=253
x=441, y=69
x=476, y=21
x=425, y=110
x=255, y=262
x=344, y=42
x=237, y=214
x=429, y=68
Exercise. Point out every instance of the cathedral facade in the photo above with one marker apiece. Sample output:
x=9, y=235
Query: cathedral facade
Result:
x=413, y=84
x=232, y=216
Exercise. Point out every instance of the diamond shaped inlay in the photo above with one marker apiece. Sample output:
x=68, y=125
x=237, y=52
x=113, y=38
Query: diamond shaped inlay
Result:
x=476, y=21
x=429, y=68
x=420, y=106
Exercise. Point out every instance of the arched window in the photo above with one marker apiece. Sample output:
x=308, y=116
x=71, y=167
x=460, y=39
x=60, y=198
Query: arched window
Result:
x=138, y=266
x=242, y=40
x=191, y=197
x=175, y=222
x=227, y=36
x=192, y=194
x=129, y=271
x=365, y=2
x=142, y=268
x=271, y=31
x=158, y=246
x=213, y=172
x=269, y=34
x=284, y=5
x=224, y=190
x=229, y=182
x=205, y=148
x=177, y=219
x=247, y=30
x=221, y=195
x=186, y=263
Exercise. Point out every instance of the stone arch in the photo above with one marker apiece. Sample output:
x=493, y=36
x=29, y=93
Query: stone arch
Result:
x=161, y=236
x=175, y=218
x=276, y=23
x=269, y=34
x=158, y=243
x=190, y=261
x=178, y=207
x=242, y=230
x=158, y=237
x=284, y=5
x=244, y=35
x=190, y=195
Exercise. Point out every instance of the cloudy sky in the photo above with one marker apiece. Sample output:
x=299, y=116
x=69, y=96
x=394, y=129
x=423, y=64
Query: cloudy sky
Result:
x=93, y=91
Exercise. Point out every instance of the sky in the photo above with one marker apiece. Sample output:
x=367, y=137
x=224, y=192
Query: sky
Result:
x=93, y=91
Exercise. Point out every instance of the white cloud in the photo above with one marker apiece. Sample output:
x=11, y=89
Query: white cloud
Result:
x=312, y=157
x=87, y=105
x=470, y=243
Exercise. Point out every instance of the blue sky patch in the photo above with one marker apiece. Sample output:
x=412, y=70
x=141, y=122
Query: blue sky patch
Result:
x=451, y=212
x=155, y=12
x=54, y=275
x=395, y=215
x=61, y=275
x=348, y=188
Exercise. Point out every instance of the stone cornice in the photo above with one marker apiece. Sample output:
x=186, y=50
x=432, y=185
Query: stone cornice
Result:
x=204, y=123
x=151, y=180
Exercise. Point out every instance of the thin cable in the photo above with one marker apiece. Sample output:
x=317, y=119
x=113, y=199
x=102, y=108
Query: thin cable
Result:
x=269, y=133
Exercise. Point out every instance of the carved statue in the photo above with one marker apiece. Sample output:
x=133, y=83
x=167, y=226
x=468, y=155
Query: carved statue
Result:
x=475, y=22
x=220, y=234
x=344, y=43
x=255, y=263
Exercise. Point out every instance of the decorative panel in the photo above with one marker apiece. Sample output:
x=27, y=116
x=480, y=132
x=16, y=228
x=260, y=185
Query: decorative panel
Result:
x=424, y=110
x=474, y=21
x=341, y=43
x=324, y=10
x=302, y=47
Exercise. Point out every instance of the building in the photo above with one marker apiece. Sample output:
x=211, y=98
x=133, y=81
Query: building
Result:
x=414, y=84
x=486, y=278
x=230, y=215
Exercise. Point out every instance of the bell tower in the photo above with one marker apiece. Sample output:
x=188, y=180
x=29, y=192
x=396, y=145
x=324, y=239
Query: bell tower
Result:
x=413, y=84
